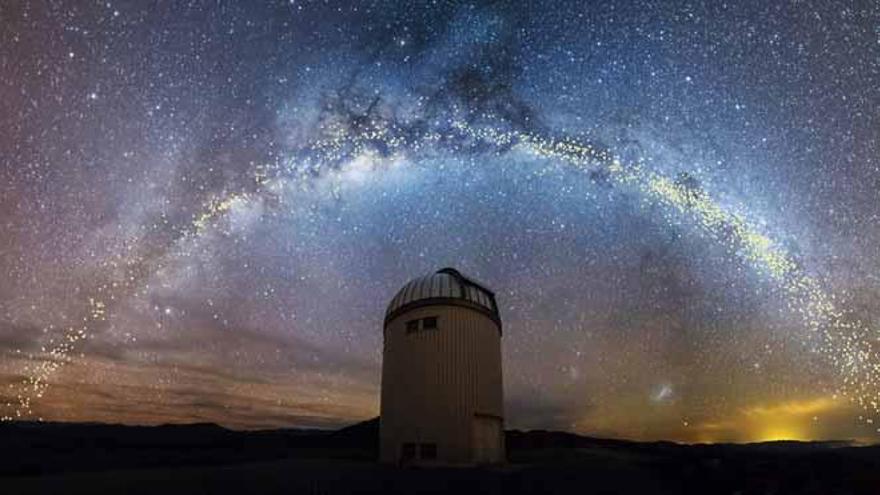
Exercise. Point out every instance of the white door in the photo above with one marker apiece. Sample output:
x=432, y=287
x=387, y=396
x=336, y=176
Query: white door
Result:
x=487, y=439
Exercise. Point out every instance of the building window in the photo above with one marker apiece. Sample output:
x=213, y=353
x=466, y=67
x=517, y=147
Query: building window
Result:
x=408, y=452
x=429, y=323
x=412, y=326
x=428, y=451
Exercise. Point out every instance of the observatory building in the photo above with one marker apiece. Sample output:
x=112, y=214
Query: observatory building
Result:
x=441, y=374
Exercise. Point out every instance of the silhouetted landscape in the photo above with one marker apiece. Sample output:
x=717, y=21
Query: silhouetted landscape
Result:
x=206, y=458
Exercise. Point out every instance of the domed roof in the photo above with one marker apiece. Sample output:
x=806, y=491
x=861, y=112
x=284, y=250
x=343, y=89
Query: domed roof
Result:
x=445, y=286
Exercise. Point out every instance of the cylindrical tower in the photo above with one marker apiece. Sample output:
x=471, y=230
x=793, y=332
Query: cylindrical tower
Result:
x=441, y=373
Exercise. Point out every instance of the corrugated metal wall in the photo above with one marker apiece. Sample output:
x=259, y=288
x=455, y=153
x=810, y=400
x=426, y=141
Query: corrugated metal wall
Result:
x=434, y=382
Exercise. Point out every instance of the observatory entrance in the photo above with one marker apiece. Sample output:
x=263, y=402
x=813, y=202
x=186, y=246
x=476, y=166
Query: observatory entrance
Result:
x=487, y=437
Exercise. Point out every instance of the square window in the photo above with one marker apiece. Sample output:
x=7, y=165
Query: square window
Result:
x=428, y=451
x=429, y=323
x=412, y=326
x=408, y=451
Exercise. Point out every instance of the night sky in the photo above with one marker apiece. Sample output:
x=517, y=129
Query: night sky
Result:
x=206, y=206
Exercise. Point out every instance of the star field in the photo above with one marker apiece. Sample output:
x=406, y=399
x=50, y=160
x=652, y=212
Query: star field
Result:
x=206, y=208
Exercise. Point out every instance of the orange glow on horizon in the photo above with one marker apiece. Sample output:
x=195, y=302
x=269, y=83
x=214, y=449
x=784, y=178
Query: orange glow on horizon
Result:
x=793, y=420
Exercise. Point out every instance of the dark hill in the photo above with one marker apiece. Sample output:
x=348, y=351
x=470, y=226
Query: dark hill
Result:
x=206, y=458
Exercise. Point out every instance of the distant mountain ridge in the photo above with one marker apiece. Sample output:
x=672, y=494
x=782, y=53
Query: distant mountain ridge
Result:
x=207, y=458
x=38, y=448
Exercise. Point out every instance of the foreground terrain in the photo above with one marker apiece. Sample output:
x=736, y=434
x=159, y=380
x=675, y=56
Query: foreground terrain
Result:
x=86, y=458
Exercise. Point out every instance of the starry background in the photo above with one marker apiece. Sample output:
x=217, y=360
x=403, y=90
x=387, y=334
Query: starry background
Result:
x=178, y=245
